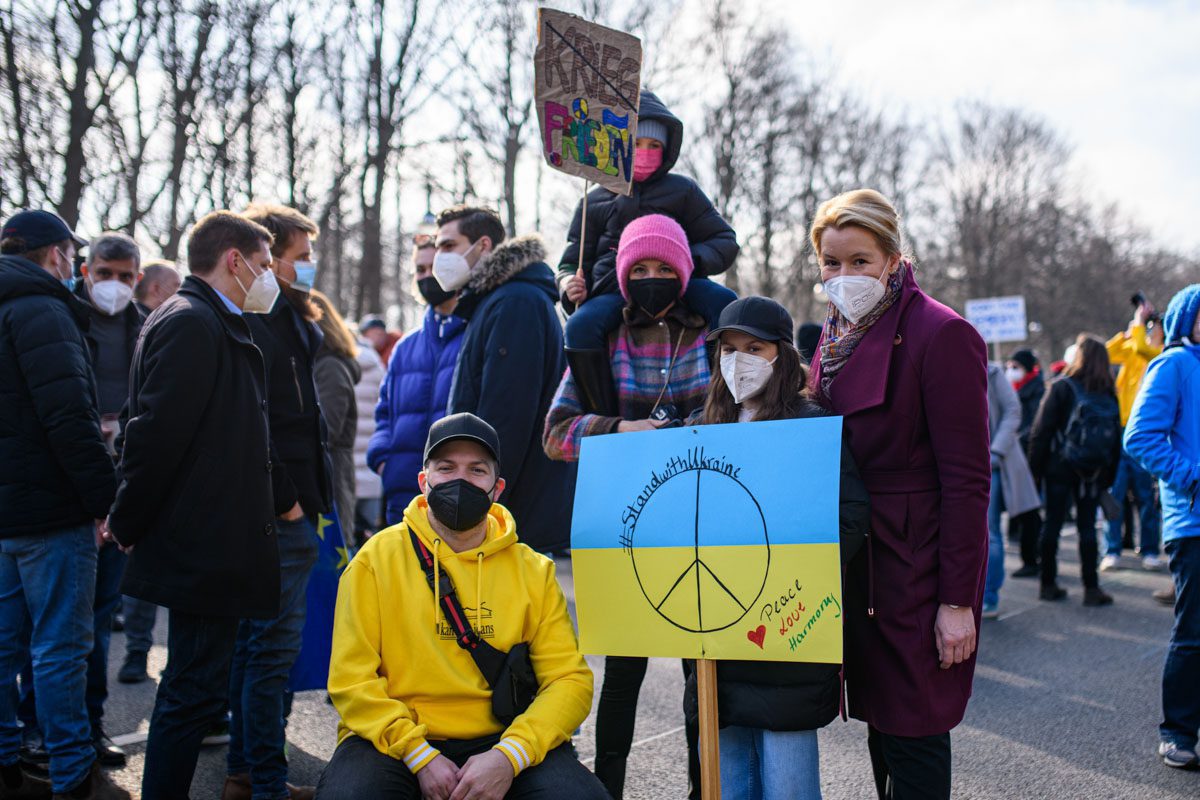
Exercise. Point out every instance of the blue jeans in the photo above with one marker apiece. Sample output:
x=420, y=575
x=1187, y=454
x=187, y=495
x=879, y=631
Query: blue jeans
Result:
x=1131, y=475
x=758, y=764
x=140, y=616
x=1181, y=690
x=589, y=326
x=266, y=650
x=47, y=583
x=995, y=567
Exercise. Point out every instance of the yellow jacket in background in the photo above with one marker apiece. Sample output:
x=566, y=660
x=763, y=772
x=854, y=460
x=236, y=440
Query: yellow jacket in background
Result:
x=399, y=680
x=1132, y=351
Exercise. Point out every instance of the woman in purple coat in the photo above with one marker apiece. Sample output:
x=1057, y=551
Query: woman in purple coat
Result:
x=910, y=377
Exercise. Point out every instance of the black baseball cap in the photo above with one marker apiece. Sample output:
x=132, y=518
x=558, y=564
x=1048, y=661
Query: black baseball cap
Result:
x=760, y=317
x=37, y=228
x=463, y=426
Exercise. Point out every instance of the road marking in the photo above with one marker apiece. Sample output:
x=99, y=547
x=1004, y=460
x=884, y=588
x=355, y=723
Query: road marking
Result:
x=126, y=739
x=641, y=742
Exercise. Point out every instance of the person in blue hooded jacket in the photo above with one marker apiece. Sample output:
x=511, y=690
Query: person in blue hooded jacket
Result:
x=416, y=391
x=1163, y=435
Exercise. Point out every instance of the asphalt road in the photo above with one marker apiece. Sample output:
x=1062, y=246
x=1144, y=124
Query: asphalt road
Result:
x=1066, y=705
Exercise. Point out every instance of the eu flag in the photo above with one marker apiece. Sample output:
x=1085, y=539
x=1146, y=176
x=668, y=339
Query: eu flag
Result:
x=311, y=670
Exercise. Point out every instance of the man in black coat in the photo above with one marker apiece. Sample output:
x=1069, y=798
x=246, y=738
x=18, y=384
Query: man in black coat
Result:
x=511, y=361
x=194, y=503
x=56, y=483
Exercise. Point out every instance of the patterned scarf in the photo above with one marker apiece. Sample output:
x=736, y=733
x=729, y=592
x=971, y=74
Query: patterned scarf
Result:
x=842, y=336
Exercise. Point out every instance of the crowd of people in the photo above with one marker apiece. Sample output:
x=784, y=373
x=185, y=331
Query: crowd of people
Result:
x=174, y=441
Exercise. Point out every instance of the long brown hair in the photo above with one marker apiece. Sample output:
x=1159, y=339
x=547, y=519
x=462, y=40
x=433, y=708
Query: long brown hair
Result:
x=783, y=395
x=1090, y=366
x=337, y=334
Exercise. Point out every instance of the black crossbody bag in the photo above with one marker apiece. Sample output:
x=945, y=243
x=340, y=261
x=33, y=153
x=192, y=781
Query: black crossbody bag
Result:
x=510, y=675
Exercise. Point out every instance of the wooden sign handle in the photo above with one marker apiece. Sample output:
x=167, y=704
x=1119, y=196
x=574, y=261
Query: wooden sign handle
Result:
x=710, y=750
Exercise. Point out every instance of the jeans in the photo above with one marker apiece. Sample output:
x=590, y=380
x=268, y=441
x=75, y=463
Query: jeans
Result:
x=1130, y=475
x=47, y=584
x=910, y=768
x=140, y=616
x=1181, y=690
x=1059, y=494
x=191, y=699
x=589, y=326
x=357, y=771
x=758, y=764
x=266, y=650
x=995, y=567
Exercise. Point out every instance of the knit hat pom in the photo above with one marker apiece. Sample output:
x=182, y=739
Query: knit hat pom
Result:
x=657, y=237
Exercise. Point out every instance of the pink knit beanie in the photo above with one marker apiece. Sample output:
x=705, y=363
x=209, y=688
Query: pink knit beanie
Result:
x=654, y=236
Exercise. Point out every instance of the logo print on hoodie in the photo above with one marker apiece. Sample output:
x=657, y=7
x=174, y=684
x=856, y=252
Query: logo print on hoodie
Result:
x=486, y=630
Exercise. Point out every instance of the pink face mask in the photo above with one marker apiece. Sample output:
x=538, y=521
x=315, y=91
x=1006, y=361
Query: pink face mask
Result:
x=646, y=162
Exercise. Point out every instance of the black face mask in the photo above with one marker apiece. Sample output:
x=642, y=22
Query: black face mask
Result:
x=432, y=291
x=654, y=294
x=459, y=504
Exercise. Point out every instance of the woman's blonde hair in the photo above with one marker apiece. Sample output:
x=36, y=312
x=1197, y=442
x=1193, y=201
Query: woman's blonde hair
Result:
x=865, y=208
x=337, y=334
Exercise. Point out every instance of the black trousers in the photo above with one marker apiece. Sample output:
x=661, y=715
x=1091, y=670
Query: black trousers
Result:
x=910, y=768
x=1060, y=494
x=358, y=771
x=1026, y=529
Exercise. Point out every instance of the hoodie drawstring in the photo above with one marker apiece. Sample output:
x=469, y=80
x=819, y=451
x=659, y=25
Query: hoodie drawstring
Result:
x=437, y=589
x=479, y=593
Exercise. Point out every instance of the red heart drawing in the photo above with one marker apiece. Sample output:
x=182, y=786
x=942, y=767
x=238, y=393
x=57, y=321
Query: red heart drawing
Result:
x=757, y=635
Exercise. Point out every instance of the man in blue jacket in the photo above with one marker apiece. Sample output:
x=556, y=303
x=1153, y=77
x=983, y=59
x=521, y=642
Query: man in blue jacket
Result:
x=1163, y=434
x=511, y=361
x=417, y=387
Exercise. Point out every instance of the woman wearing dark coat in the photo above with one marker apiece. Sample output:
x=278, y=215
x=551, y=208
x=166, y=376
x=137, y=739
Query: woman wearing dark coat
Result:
x=336, y=371
x=910, y=378
x=1025, y=374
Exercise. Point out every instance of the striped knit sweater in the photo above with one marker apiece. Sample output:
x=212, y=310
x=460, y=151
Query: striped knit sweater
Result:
x=641, y=351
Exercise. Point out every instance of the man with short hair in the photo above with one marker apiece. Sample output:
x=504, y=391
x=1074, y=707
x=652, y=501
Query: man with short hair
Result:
x=375, y=331
x=56, y=484
x=511, y=360
x=158, y=281
x=288, y=337
x=194, y=504
x=418, y=716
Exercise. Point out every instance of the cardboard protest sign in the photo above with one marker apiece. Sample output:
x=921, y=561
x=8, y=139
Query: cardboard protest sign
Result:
x=716, y=542
x=586, y=83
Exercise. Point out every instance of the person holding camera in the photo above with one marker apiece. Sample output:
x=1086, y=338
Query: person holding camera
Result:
x=660, y=367
x=455, y=667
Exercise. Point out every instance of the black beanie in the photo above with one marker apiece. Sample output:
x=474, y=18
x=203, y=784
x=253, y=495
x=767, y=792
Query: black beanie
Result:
x=1025, y=358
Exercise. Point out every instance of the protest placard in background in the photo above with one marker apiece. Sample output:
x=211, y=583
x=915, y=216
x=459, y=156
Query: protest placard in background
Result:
x=998, y=319
x=714, y=542
x=586, y=83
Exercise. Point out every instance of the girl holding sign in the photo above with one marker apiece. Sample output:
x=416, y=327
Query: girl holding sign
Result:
x=660, y=366
x=769, y=711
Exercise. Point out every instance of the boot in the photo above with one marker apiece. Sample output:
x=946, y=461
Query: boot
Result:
x=237, y=787
x=610, y=769
x=96, y=786
x=593, y=377
x=17, y=784
x=134, y=669
x=1095, y=596
x=1052, y=592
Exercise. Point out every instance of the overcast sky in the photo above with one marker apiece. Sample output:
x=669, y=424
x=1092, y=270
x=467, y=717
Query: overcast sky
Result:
x=1120, y=81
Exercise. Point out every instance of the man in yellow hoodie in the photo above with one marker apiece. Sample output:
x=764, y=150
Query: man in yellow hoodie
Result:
x=1132, y=350
x=417, y=714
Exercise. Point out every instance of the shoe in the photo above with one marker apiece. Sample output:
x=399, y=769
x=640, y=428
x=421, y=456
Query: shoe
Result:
x=1178, y=757
x=1152, y=563
x=118, y=623
x=17, y=784
x=1027, y=571
x=217, y=735
x=107, y=753
x=1052, y=592
x=237, y=787
x=991, y=610
x=1095, y=596
x=99, y=786
x=1165, y=596
x=134, y=669
x=1110, y=563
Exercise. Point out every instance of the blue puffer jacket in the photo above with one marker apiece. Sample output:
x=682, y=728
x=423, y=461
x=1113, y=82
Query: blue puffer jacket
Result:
x=414, y=395
x=1163, y=433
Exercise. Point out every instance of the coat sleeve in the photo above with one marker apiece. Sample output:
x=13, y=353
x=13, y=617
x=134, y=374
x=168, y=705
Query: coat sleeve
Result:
x=1005, y=440
x=566, y=424
x=179, y=369
x=1117, y=349
x=1148, y=434
x=1051, y=417
x=335, y=393
x=56, y=365
x=954, y=391
x=713, y=242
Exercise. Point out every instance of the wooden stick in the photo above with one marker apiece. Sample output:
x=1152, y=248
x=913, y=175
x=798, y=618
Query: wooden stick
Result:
x=583, y=227
x=710, y=751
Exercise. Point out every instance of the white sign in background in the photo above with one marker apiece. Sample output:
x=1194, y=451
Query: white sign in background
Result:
x=998, y=319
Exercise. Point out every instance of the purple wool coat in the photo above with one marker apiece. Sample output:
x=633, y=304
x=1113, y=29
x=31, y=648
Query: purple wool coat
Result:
x=914, y=398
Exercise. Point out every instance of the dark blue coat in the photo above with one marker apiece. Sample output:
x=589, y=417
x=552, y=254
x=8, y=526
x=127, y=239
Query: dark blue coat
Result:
x=414, y=395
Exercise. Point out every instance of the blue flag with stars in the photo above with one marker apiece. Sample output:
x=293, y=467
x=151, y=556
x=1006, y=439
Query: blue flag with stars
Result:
x=311, y=670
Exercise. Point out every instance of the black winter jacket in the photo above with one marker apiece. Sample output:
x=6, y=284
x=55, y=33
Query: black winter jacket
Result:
x=1030, y=396
x=195, y=471
x=299, y=437
x=779, y=696
x=508, y=370
x=1051, y=421
x=713, y=243
x=55, y=471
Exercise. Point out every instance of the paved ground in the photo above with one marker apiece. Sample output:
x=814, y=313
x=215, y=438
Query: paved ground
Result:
x=1066, y=706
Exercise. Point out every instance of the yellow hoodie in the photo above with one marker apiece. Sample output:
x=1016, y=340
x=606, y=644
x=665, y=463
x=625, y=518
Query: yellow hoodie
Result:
x=1133, y=352
x=396, y=675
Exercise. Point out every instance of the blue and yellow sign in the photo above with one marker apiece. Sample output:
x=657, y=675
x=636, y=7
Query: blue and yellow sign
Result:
x=718, y=542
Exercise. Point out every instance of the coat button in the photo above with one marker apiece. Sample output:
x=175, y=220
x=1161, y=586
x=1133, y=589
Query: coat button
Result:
x=264, y=405
x=269, y=528
x=269, y=466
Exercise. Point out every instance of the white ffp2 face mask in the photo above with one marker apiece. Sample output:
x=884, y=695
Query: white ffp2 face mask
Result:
x=745, y=374
x=452, y=270
x=111, y=297
x=1014, y=375
x=263, y=291
x=856, y=295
